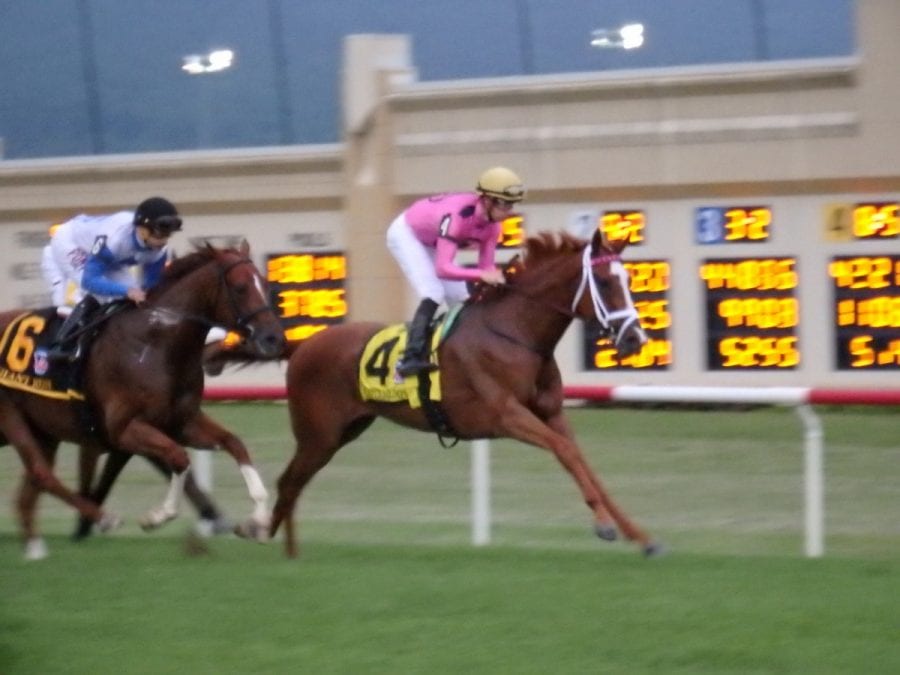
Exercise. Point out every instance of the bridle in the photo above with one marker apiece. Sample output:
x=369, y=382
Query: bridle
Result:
x=614, y=324
x=242, y=319
x=608, y=320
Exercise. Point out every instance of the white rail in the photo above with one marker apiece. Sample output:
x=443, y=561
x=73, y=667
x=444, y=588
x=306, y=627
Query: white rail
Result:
x=801, y=399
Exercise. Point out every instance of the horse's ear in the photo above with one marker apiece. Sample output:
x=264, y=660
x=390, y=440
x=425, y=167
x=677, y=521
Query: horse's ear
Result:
x=600, y=243
x=244, y=248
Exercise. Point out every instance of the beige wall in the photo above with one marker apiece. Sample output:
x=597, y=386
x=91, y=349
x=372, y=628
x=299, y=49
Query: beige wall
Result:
x=793, y=134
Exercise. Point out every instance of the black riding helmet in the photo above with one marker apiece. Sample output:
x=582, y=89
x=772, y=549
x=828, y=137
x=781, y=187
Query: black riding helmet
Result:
x=159, y=215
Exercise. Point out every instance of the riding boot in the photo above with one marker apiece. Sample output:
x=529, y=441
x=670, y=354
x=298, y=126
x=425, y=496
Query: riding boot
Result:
x=68, y=335
x=415, y=357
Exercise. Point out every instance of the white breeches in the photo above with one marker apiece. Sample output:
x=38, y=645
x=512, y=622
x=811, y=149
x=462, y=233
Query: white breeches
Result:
x=63, y=281
x=417, y=262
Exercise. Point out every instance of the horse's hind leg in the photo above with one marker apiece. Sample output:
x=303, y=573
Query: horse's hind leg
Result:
x=26, y=508
x=88, y=456
x=307, y=461
x=31, y=452
x=316, y=445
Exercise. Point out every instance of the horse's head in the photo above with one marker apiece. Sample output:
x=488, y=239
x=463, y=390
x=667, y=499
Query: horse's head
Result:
x=241, y=301
x=604, y=294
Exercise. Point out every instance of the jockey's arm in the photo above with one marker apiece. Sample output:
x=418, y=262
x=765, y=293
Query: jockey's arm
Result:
x=95, y=280
x=444, y=265
x=153, y=272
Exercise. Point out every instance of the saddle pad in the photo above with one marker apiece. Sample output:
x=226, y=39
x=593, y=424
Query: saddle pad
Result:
x=378, y=364
x=23, y=357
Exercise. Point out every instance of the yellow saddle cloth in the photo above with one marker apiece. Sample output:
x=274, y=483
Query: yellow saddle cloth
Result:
x=378, y=380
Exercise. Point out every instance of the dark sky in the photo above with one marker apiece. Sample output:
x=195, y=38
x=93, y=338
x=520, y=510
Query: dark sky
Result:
x=103, y=76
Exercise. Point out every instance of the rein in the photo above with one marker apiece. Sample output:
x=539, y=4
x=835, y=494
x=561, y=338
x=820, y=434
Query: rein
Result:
x=543, y=353
x=174, y=316
x=627, y=316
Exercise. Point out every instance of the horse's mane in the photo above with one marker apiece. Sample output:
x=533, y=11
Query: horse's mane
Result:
x=539, y=248
x=550, y=244
x=180, y=267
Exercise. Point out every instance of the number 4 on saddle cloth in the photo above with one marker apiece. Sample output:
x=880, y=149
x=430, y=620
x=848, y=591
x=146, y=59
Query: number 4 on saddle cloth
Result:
x=378, y=380
x=24, y=346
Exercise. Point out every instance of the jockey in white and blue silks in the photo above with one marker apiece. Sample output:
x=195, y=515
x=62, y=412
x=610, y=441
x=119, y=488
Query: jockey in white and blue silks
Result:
x=98, y=254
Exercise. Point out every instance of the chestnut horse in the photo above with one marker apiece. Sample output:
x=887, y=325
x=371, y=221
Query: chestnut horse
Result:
x=498, y=375
x=142, y=384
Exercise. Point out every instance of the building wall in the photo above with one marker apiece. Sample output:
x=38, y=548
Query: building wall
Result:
x=793, y=135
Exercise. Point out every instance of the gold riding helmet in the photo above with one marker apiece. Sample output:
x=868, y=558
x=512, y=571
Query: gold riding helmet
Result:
x=501, y=183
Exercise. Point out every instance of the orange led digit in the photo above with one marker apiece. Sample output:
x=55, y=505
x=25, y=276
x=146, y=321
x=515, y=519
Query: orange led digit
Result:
x=627, y=224
x=752, y=314
x=876, y=220
x=866, y=296
x=307, y=290
x=734, y=224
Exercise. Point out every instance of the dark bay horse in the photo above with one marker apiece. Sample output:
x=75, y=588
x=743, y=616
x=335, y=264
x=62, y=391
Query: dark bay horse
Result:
x=498, y=374
x=142, y=383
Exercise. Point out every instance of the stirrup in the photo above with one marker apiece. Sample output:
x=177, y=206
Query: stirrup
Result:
x=61, y=354
x=414, y=366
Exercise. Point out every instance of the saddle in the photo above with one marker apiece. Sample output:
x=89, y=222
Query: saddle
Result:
x=24, y=364
x=377, y=366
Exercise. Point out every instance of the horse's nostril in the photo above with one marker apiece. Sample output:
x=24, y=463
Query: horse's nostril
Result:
x=271, y=344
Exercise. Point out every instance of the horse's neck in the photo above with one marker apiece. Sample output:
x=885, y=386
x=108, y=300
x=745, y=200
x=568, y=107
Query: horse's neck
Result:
x=184, y=314
x=536, y=322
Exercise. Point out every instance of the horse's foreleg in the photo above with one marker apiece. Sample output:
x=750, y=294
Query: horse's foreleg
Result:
x=206, y=507
x=168, y=510
x=632, y=532
x=141, y=438
x=520, y=423
x=204, y=432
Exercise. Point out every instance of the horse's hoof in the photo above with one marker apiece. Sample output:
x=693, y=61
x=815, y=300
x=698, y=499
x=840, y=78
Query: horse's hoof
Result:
x=153, y=520
x=654, y=549
x=606, y=532
x=108, y=522
x=206, y=527
x=82, y=530
x=251, y=529
x=35, y=549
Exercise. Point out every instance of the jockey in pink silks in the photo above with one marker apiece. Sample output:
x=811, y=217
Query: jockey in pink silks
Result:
x=425, y=238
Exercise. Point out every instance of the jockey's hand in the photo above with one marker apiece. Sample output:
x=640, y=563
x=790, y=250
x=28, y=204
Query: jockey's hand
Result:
x=493, y=277
x=136, y=295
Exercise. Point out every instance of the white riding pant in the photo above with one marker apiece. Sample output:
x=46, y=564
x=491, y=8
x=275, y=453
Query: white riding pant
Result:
x=417, y=262
x=54, y=278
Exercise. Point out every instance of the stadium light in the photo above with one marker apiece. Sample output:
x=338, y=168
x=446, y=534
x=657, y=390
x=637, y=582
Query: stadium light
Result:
x=629, y=36
x=202, y=64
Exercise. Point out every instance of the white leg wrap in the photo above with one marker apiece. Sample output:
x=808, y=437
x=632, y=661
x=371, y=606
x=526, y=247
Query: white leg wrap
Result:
x=35, y=549
x=168, y=510
x=258, y=493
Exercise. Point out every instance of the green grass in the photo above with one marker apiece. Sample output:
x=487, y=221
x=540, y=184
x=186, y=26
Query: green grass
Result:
x=389, y=584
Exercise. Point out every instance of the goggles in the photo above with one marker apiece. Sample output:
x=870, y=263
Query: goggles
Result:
x=503, y=203
x=163, y=226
